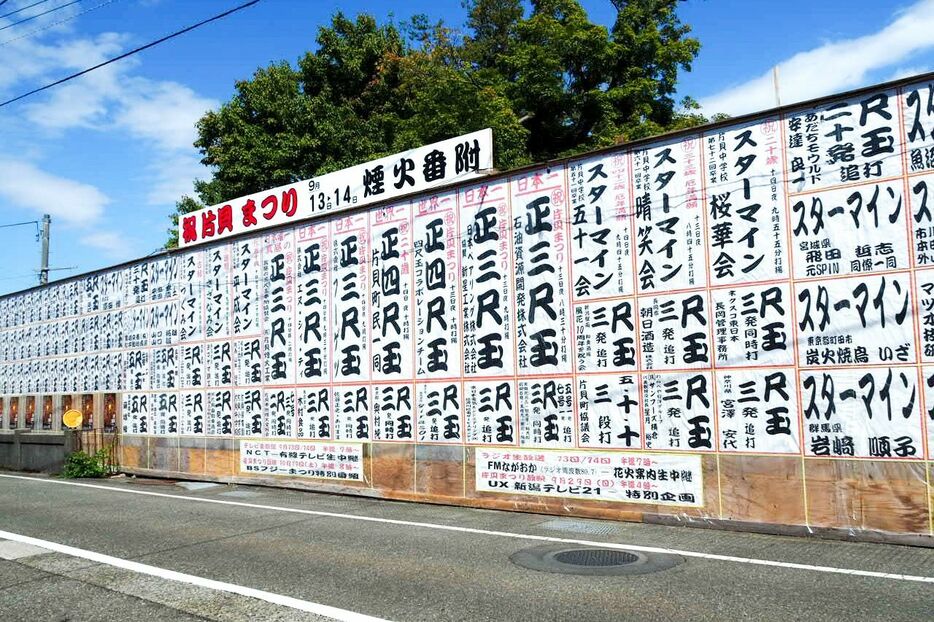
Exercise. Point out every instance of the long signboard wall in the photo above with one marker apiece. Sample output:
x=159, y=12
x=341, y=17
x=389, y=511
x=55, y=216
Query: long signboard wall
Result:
x=735, y=325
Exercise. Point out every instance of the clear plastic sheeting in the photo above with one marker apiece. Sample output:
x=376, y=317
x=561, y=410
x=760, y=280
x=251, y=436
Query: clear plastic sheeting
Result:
x=735, y=324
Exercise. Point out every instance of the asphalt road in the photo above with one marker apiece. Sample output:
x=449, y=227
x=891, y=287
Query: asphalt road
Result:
x=399, y=561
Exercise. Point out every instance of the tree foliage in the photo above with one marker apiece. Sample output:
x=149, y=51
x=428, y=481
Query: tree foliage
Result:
x=80, y=464
x=548, y=81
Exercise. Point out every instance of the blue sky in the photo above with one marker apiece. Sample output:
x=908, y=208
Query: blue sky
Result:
x=108, y=154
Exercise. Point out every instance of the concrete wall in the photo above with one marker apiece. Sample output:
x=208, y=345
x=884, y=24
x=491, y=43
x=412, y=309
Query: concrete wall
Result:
x=45, y=452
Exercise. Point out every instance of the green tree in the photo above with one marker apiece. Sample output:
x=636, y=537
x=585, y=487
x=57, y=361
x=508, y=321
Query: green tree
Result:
x=550, y=83
x=577, y=85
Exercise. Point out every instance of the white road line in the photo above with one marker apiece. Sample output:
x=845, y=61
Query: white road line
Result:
x=501, y=534
x=117, y=562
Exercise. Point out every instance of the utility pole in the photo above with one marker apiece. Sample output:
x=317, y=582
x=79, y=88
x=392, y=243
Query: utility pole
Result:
x=44, y=267
x=775, y=85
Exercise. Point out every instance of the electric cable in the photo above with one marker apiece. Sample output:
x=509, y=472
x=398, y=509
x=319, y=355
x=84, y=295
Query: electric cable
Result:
x=21, y=9
x=131, y=52
x=58, y=23
x=32, y=17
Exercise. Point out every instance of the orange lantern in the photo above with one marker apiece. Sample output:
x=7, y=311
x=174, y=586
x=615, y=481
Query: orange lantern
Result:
x=47, y=412
x=30, y=411
x=87, y=409
x=110, y=412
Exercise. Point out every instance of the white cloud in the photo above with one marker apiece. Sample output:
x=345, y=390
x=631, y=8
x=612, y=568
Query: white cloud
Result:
x=173, y=176
x=114, y=245
x=130, y=112
x=162, y=112
x=834, y=66
x=32, y=61
x=82, y=103
x=159, y=115
x=25, y=185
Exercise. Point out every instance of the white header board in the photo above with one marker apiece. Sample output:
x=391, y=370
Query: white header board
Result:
x=440, y=164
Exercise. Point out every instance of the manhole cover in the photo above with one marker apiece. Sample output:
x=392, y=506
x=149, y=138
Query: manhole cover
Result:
x=596, y=557
x=592, y=561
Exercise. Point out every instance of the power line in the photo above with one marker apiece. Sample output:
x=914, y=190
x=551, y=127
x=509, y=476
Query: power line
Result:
x=23, y=224
x=21, y=9
x=54, y=24
x=131, y=52
x=20, y=224
x=32, y=17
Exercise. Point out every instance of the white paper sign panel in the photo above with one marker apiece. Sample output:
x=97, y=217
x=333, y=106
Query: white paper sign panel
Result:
x=486, y=278
x=669, y=215
x=745, y=203
x=390, y=277
x=633, y=300
x=601, y=227
x=313, y=303
x=350, y=251
x=319, y=460
x=436, y=249
x=850, y=140
x=662, y=479
x=918, y=111
x=540, y=255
